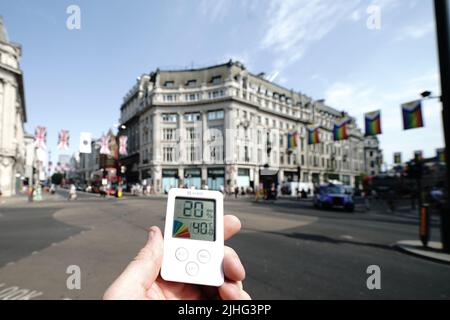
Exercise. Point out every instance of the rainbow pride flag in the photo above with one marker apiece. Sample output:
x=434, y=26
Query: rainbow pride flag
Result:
x=292, y=140
x=412, y=115
x=180, y=230
x=373, y=123
x=313, y=135
x=340, y=130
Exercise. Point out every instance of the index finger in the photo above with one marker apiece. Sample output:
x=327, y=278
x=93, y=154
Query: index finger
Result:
x=232, y=225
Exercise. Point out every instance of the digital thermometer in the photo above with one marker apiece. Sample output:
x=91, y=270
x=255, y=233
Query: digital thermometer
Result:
x=193, y=237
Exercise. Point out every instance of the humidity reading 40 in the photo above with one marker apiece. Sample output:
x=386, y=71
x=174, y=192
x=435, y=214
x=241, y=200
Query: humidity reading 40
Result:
x=194, y=219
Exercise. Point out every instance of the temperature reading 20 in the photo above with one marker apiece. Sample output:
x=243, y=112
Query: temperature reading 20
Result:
x=193, y=207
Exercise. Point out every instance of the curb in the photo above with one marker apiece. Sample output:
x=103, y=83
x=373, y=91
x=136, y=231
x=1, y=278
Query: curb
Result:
x=432, y=252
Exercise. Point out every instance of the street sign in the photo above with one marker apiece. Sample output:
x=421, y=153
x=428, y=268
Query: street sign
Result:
x=104, y=182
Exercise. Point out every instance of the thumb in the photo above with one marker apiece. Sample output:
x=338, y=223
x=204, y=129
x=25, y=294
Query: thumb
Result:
x=145, y=267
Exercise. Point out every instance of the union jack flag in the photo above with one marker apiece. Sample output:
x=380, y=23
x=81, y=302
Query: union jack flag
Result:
x=123, y=145
x=104, y=144
x=40, y=137
x=63, y=140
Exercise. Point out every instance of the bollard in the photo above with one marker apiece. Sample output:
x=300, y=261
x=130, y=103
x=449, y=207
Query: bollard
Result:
x=424, y=224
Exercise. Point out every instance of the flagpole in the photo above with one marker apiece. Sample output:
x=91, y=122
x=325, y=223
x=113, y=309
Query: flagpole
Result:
x=442, y=14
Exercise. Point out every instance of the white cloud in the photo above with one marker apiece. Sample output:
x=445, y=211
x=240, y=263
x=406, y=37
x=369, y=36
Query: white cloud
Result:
x=356, y=15
x=342, y=95
x=361, y=98
x=294, y=25
x=215, y=10
x=416, y=31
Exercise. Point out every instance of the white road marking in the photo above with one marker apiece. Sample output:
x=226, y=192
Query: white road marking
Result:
x=15, y=293
x=345, y=236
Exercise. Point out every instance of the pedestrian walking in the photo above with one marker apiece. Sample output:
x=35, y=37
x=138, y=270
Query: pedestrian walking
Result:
x=72, y=192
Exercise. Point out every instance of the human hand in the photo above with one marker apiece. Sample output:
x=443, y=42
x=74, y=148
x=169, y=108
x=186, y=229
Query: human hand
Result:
x=141, y=279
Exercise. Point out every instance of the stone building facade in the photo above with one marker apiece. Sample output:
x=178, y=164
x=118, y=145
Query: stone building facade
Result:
x=12, y=116
x=224, y=126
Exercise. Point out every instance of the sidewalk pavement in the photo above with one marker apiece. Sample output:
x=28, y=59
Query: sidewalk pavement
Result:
x=22, y=198
x=16, y=199
x=433, y=251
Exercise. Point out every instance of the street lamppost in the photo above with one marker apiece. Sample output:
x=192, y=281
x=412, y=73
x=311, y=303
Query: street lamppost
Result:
x=442, y=13
x=120, y=169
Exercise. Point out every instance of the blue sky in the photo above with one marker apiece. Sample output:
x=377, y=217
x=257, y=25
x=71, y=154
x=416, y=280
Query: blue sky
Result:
x=76, y=79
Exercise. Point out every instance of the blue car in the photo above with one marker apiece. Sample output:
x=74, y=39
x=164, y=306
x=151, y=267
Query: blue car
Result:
x=333, y=196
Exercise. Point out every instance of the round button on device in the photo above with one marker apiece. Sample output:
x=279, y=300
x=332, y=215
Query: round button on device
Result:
x=203, y=256
x=181, y=254
x=192, y=268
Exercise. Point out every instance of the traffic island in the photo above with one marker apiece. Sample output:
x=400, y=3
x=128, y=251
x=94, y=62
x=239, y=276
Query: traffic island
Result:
x=433, y=251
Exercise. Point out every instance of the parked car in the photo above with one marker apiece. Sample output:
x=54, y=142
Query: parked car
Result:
x=333, y=196
x=80, y=187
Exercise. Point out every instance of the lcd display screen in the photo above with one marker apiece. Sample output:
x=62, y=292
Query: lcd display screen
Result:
x=194, y=219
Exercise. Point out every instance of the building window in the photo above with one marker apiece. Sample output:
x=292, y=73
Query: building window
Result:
x=215, y=115
x=170, y=97
x=168, y=134
x=191, y=134
x=246, y=155
x=259, y=120
x=169, y=84
x=192, y=117
x=192, y=153
x=192, y=97
x=281, y=158
x=145, y=160
x=216, y=79
x=216, y=94
x=168, y=154
x=216, y=153
x=169, y=117
x=191, y=83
